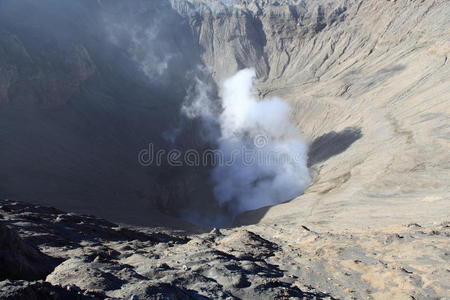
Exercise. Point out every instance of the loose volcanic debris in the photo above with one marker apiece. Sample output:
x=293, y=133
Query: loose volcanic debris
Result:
x=101, y=259
x=98, y=259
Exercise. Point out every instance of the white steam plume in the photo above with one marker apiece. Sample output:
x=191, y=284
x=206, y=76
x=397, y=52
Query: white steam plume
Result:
x=266, y=158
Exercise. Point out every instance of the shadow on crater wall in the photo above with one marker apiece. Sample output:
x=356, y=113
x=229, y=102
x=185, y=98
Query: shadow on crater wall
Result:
x=332, y=143
x=86, y=99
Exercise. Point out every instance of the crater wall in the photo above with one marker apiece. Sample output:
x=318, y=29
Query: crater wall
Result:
x=368, y=81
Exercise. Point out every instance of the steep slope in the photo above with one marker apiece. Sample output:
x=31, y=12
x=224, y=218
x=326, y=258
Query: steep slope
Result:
x=85, y=86
x=369, y=83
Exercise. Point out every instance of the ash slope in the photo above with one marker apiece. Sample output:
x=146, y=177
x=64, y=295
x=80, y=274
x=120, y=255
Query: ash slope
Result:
x=99, y=259
x=368, y=81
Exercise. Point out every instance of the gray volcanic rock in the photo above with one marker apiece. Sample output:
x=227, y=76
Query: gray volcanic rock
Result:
x=149, y=264
x=86, y=275
x=19, y=260
x=265, y=261
x=39, y=290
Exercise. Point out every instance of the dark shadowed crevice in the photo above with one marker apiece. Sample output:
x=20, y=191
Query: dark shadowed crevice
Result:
x=20, y=260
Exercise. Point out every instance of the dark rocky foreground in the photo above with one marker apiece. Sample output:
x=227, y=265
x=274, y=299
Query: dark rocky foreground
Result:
x=49, y=254
x=90, y=258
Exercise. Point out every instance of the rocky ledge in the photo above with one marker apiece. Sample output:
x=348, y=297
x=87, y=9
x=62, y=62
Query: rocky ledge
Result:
x=46, y=253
